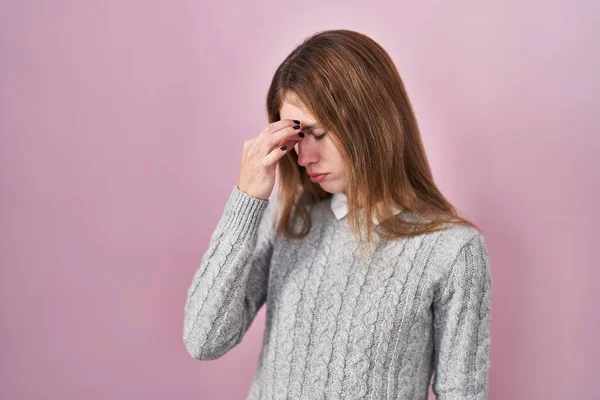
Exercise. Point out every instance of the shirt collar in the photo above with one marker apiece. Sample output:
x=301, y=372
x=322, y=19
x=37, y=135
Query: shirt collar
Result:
x=339, y=207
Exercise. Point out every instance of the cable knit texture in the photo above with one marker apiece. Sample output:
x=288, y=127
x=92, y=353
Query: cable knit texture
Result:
x=337, y=327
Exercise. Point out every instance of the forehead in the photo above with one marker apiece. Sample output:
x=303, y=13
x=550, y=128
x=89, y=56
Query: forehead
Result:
x=292, y=108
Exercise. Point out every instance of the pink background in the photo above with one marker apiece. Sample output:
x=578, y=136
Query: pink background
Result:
x=122, y=125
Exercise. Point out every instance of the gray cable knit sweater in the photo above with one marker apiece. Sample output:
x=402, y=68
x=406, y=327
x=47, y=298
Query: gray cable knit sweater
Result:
x=337, y=327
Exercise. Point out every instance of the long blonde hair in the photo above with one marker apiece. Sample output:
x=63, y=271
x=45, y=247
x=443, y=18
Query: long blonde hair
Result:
x=350, y=85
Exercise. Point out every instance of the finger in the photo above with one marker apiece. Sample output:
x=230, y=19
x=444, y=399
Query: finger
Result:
x=275, y=155
x=289, y=133
x=277, y=125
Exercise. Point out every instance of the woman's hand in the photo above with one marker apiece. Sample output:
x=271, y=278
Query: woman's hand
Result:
x=261, y=154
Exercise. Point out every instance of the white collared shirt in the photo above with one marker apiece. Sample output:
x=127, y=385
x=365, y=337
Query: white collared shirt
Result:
x=339, y=207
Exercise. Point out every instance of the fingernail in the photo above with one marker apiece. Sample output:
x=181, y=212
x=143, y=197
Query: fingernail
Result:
x=296, y=127
x=296, y=121
x=301, y=134
x=283, y=148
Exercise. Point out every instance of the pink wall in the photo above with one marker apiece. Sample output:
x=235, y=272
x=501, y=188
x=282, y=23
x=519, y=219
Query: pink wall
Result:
x=121, y=128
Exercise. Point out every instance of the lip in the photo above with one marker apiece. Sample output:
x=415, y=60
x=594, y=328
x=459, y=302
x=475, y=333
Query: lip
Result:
x=317, y=177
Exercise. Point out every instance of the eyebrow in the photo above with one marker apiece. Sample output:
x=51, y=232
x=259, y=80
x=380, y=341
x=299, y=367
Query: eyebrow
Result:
x=311, y=126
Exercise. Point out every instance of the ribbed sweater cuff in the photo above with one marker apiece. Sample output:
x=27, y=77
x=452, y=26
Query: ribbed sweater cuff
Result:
x=242, y=214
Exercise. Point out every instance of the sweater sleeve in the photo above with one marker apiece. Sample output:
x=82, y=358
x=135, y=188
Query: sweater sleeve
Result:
x=461, y=318
x=231, y=284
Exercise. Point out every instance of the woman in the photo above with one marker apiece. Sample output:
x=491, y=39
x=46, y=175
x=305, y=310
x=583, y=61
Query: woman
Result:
x=344, y=320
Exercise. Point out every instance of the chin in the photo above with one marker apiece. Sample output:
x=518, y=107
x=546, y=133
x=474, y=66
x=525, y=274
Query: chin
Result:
x=331, y=188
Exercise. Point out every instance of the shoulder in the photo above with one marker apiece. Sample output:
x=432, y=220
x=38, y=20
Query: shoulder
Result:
x=465, y=268
x=450, y=247
x=454, y=238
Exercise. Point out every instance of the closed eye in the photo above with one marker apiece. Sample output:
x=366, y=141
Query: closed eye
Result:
x=319, y=137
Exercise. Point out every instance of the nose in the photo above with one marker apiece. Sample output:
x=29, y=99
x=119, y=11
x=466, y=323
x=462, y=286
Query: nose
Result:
x=307, y=151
